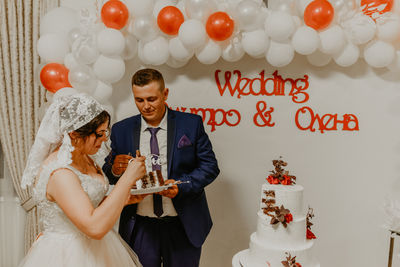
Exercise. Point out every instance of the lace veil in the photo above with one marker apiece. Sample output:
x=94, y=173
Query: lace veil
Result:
x=64, y=115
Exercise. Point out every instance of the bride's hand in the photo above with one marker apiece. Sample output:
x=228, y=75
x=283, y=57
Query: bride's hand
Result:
x=136, y=169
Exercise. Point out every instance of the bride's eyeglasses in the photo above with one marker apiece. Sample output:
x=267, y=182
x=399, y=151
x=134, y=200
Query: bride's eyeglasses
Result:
x=103, y=133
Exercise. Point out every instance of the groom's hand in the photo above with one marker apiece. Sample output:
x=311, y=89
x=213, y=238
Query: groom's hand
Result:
x=172, y=191
x=120, y=164
x=133, y=199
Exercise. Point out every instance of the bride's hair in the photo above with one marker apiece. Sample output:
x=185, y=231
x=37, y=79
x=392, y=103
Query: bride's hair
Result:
x=91, y=127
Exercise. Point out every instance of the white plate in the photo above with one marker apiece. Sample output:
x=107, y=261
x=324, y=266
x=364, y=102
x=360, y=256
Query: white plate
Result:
x=150, y=190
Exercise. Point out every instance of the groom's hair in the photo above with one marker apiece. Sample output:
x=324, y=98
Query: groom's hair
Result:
x=146, y=76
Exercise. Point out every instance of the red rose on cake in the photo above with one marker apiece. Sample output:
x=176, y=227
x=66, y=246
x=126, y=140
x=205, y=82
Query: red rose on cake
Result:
x=288, y=218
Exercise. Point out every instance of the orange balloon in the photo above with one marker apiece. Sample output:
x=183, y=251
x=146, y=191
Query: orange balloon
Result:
x=54, y=76
x=370, y=7
x=170, y=19
x=114, y=14
x=318, y=14
x=219, y=26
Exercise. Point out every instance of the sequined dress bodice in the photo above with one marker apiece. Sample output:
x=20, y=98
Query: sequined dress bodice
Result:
x=52, y=218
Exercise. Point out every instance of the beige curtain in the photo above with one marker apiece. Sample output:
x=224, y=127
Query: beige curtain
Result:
x=21, y=94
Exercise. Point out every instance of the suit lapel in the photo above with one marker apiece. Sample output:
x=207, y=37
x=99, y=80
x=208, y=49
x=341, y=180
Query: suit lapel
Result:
x=136, y=134
x=171, y=132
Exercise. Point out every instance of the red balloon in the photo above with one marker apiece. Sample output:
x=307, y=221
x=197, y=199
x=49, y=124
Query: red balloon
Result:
x=318, y=14
x=114, y=14
x=54, y=76
x=219, y=26
x=374, y=8
x=170, y=19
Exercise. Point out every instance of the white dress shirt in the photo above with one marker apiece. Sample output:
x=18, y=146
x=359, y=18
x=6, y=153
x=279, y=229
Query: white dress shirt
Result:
x=145, y=207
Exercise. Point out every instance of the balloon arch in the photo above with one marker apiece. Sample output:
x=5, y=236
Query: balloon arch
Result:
x=86, y=50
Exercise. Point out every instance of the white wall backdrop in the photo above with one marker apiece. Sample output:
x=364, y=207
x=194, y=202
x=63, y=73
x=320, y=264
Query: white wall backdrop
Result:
x=346, y=175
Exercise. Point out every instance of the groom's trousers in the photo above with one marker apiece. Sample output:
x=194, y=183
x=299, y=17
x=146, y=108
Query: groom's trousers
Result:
x=157, y=240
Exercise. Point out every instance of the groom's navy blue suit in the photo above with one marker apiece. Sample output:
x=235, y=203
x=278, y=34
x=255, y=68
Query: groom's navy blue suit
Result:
x=190, y=158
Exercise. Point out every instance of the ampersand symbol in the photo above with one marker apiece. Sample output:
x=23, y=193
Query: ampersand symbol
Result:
x=263, y=114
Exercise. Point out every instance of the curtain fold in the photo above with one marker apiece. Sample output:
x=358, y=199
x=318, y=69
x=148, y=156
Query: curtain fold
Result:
x=21, y=94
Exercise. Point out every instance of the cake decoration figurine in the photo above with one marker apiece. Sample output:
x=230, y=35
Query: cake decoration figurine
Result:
x=279, y=175
x=290, y=262
x=310, y=215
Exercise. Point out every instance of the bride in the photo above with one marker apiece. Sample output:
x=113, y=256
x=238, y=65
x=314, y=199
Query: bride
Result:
x=69, y=189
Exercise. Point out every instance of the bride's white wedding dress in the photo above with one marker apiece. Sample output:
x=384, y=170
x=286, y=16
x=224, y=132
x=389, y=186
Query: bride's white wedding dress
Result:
x=62, y=244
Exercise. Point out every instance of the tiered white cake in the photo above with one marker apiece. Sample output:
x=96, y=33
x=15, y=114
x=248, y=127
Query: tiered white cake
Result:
x=281, y=227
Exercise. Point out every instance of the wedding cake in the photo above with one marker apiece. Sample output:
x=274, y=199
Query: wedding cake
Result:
x=152, y=179
x=283, y=236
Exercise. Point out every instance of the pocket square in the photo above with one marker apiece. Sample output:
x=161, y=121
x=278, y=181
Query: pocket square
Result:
x=184, y=141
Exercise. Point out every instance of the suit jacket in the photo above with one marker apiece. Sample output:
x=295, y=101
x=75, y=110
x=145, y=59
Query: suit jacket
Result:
x=190, y=158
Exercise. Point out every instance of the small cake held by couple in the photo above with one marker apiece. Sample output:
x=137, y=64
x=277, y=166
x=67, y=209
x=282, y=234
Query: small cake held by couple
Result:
x=165, y=228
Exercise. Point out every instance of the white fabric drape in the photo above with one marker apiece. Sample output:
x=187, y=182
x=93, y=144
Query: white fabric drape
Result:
x=12, y=222
x=20, y=95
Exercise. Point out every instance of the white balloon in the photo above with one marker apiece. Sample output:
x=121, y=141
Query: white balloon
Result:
x=160, y=5
x=233, y=51
x=248, y=16
x=395, y=65
x=59, y=20
x=73, y=35
x=109, y=69
x=140, y=7
x=83, y=79
x=209, y=53
x=173, y=63
x=70, y=61
x=360, y=29
x=103, y=92
x=288, y=6
x=319, y=59
x=50, y=96
x=192, y=33
x=332, y=39
x=109, y=108
x=85, y=50
x=301, y=6
x=178, y=51
x=279, y=54
x=344, y=9
x=110, y=42
x=379, y=54
x=255, y=43
x=52, y=47
x=200, y=9
x=388, y=28
x=131, y=47
x=279, y=26
x=297, y=21
x=305, y=40
x=66, y=91
x=156, y=52
x=348, y=56
x=144, y=28
x=181, y=6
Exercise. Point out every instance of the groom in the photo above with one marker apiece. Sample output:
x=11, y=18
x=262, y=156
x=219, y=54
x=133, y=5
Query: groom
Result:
x=167, y=227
